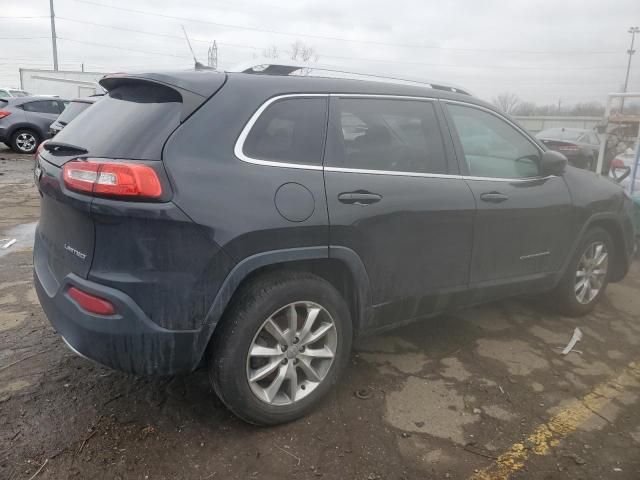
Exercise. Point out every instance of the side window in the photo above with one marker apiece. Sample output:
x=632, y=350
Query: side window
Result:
x=289, y=130
x=4, y=94
x=385, y=134
x=42, y=106
x=593, y=139
x=492, y=147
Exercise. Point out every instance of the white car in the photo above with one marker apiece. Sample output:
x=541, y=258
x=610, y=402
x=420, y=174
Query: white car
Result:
x=6, y=92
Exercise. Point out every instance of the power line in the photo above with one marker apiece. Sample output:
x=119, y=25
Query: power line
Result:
x=22, y=38
x=340, y=39
x=122, y=48
x=12, y=17
x=375, y=60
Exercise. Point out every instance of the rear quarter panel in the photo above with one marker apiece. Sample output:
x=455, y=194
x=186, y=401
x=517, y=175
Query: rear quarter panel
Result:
x=231, y=199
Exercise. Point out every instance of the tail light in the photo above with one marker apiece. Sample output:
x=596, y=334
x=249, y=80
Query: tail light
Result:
x=91, y=303
x=114, y=179
x=568, y=148
x=4, y=113
x=617, y=163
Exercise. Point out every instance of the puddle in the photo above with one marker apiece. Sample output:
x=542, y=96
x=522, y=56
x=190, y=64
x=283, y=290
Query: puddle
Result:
x=431, y=407
x=24, y=235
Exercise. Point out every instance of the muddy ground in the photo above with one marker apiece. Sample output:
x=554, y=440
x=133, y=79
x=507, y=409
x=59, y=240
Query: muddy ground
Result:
x=445, y=398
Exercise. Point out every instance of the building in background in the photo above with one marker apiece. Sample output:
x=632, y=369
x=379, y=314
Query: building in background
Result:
x=66, y=84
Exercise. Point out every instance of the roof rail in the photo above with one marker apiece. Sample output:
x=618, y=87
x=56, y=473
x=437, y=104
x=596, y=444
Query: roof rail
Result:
x=331, y=71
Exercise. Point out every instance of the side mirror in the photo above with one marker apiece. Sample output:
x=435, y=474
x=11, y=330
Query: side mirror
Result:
x=553, y=163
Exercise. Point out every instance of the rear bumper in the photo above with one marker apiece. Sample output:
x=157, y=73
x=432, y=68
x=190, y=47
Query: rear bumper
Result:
x=128, y=341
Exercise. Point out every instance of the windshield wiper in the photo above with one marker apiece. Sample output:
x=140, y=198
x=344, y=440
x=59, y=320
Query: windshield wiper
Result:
x=63, y=147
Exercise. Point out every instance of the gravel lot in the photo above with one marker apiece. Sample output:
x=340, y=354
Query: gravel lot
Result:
x=484, y=394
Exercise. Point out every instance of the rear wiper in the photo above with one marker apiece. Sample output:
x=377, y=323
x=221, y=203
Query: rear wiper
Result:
x=63, y=147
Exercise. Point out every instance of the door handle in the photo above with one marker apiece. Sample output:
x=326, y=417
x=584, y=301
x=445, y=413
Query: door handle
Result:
x=359, y=198
x=493, y=197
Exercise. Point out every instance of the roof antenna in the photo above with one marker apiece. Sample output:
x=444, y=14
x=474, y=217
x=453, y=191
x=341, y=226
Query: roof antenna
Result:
x=197, y=64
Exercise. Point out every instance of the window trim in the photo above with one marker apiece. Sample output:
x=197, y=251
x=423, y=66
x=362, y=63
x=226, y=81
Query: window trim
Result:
x=512, y=124
x=239, y=145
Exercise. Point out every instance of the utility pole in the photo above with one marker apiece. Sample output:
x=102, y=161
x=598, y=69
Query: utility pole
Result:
x=212, y=55
x=631, y=51
x=53, y=36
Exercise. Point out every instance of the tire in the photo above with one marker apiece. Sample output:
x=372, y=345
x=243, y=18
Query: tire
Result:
x=25, y=141
x=567, y=293
x=244, y=327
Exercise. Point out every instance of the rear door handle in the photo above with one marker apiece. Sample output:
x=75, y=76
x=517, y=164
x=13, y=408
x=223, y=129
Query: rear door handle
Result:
x=359, y=198
x=493, y=197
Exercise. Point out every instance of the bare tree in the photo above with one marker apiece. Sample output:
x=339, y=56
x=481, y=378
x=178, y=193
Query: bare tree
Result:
x=271, y=52
x=525, y=109
x=301, y=52
x=506, y=102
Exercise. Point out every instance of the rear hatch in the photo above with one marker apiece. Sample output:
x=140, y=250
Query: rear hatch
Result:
x=128, y=126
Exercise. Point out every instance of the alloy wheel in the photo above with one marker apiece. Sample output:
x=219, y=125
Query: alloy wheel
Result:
x=292, y=353
x=26, y=142
x=592, y=272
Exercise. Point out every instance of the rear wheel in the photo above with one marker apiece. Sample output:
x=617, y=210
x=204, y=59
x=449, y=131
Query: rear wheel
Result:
x=25, y=141
x=280, y=347
x=587, y=275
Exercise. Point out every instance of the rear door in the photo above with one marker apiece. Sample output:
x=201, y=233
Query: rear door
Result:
x=397, y=201
x=523, y=218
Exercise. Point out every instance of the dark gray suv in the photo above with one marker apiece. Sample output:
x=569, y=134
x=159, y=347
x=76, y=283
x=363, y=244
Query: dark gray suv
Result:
x=256, y=223
x=25, y=121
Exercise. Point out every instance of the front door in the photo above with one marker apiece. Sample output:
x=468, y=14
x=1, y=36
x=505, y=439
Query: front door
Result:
x=523, y=218
x=395, y=197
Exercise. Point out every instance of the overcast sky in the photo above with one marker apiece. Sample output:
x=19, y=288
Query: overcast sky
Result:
x=540, y=50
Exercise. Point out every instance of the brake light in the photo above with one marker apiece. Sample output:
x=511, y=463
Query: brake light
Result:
x=112, y=179
x=568, y=148
x=4, y=113
x=91, y=303
x=617, y=163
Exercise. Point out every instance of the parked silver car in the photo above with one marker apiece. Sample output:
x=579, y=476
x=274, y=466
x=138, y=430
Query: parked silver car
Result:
x=25, y=121
x=8, y=92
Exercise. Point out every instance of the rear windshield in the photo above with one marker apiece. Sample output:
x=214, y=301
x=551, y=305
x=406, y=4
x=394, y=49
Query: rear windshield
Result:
x=72, y=111
x=131, y=121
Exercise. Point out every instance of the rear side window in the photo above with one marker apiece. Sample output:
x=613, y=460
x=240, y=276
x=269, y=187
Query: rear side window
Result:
x=72, y=111
x=132, y=121
x=289, y=131
x=42, y=106
x=386, y=134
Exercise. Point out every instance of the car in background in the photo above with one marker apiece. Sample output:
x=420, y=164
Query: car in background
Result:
x=579, y=145
x=25, y=121
x=74, y=108
x=8, y=92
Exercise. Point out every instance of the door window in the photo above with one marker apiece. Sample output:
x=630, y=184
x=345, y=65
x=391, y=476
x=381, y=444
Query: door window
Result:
x=387, y=135
x=42, y=106
x=290, y=131
x=492, y=147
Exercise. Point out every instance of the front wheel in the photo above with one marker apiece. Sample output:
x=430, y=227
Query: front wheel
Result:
x=587, y=275
x=280, y=347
